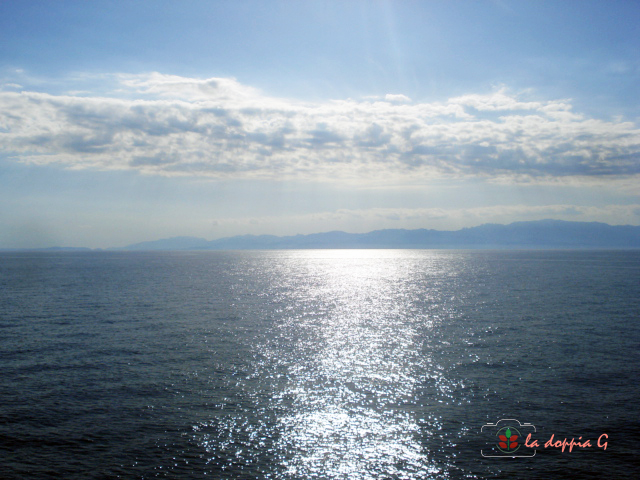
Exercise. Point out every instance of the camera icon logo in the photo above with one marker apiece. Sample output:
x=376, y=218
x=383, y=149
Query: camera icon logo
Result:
x=506, y=438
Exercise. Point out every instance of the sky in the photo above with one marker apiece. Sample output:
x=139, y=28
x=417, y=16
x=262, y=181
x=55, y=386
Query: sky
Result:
x=122, y=122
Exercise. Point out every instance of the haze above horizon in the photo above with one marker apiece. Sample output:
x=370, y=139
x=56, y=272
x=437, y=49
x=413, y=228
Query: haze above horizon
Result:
x=125, y=121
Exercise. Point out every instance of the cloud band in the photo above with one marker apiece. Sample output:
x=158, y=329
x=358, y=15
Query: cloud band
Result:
x=170, y=125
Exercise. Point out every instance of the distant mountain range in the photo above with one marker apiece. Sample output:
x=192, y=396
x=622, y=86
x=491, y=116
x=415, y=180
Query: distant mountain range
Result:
x=535, y=234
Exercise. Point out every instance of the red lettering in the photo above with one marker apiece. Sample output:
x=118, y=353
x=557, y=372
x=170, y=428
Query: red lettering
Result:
x=532, y=445
x=562, y=444
x=549, y=442
x=604, y=445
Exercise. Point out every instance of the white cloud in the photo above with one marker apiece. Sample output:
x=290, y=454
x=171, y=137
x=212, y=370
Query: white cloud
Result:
x=500, y=100
x=397, y=98
x=10, y=86
x=172, y=86
x=169, y=125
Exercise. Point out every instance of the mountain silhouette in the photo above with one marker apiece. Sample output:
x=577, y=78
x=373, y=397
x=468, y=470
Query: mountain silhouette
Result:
x=533, y=234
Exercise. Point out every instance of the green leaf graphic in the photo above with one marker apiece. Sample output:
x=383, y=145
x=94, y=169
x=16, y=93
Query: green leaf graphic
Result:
x=508, y=433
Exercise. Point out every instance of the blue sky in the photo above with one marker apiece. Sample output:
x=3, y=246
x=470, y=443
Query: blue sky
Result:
x=129, y=121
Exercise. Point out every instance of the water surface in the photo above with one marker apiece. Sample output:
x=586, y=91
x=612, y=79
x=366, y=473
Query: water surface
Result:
x=359, y=364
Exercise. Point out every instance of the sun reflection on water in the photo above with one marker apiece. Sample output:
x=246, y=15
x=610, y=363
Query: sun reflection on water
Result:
x=353, y=373
x=336, y=386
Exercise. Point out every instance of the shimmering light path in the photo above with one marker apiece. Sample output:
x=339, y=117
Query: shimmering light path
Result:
x=345, y=360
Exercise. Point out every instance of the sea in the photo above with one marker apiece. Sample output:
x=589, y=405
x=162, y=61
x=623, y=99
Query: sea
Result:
x=319, y=364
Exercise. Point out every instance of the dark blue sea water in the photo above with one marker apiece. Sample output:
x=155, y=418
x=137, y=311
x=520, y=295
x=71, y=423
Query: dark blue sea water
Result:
x=325, y=364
